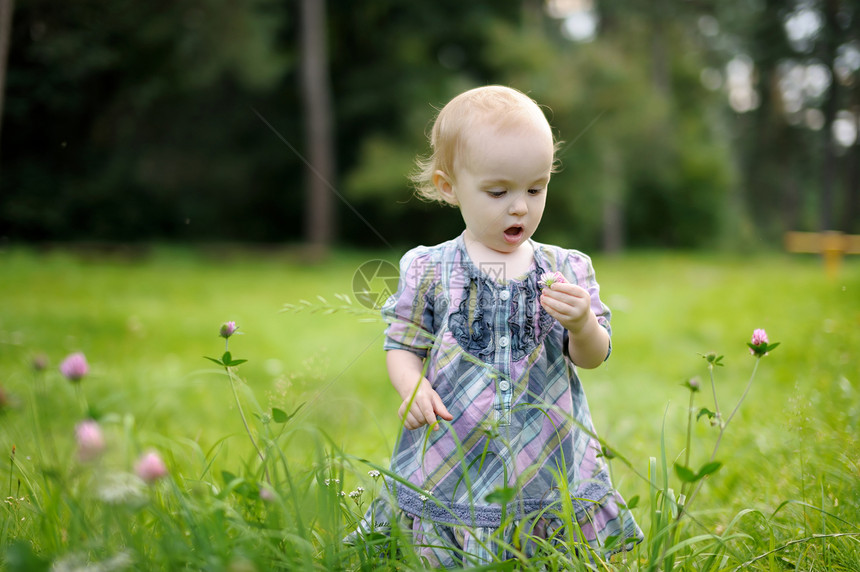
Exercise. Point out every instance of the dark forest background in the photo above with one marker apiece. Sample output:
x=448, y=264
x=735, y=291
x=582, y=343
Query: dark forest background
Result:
x=687, y=124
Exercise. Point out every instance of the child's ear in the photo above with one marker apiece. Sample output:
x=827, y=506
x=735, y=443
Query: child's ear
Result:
x=443, y=184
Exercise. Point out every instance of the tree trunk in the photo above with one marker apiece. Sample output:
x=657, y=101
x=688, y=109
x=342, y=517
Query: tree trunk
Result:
x=7, y=7
x=613, y=205
x=829, y=163
x=316, y=93
x=613, y=226
x=659, y=56
x=851, y=213
x=769, y=139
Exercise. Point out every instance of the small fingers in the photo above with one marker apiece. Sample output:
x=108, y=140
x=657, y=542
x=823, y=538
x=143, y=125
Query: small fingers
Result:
x=440, y=409
x=424, y=412
x=559, y=310
x=566, y=293
x=567, y=288
x=569, y=315
x=411, y=422
x=427, y=413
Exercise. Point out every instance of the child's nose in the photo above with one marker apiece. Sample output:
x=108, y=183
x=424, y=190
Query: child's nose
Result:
x=518, y=206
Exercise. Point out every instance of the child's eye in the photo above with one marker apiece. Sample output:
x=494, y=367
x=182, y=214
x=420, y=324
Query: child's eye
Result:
x=535, y=191
x=496, y=193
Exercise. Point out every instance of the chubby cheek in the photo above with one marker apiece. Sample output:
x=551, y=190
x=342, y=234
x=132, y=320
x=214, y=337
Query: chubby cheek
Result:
x=531, y=228
x=537, y=207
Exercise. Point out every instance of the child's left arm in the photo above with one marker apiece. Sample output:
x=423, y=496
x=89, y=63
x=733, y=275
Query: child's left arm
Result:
x=571, y=306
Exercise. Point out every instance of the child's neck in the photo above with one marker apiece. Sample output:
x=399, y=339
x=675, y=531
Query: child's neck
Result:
x=512, y=264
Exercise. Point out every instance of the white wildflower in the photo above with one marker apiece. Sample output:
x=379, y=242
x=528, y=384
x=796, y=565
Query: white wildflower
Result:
x=122, y=489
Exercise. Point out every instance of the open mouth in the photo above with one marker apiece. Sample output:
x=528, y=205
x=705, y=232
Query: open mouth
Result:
x=513, y=233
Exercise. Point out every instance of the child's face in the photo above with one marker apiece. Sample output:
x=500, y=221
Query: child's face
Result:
x=500, y=183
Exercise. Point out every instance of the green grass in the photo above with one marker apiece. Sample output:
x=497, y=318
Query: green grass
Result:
x=791, y=456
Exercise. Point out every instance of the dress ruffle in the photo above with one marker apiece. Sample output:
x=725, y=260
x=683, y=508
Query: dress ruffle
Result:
x=443, y=545
x=472, y=326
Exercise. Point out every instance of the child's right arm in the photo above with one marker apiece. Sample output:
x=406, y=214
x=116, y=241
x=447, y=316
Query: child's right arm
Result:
x=406, y=370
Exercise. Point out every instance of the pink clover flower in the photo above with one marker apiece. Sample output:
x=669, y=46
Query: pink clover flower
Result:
x=759, y=344
x=75, y=367
x=150, y=467
x=91, y=441
x=228, y=329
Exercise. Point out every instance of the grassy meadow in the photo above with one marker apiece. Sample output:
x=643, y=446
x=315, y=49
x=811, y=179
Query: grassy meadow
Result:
x=787, y=495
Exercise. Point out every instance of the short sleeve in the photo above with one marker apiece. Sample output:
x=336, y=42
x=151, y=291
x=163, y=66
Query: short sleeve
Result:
x=578, y=269
x=409, y=312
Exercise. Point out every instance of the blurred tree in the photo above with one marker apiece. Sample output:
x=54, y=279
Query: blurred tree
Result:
x=682, y=121
x=7, y=8
x=389, y=84
x=648, y=165
x=319, y=223
x=834, y=32
x=643, y=164
x=805, y=57
x=131, y=120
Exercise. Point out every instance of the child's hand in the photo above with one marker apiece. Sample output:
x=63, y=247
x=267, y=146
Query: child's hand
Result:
x=569, y=304
x=423, y=408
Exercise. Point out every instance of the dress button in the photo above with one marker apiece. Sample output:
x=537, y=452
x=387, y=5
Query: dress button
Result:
x=503, y=341
x=504, y=295
x=504, y=385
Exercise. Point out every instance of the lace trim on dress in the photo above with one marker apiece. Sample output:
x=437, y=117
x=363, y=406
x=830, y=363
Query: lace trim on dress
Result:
x=588, y=498
x=471, y=323
x=524, y=342
x=475, y=334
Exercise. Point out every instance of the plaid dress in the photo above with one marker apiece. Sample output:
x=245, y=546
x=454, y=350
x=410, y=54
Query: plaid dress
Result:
x=521, y=422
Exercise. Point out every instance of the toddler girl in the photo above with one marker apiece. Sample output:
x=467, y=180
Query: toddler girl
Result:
x=496, y=425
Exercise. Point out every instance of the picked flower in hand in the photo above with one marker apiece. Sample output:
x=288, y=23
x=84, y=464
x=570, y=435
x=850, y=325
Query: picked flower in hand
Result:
x=547, y=279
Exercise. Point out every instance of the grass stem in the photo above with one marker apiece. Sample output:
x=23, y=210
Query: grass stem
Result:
x=233, y=382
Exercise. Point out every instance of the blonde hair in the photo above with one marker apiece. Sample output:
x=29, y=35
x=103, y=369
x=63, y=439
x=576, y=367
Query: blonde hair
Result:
x=501, y=105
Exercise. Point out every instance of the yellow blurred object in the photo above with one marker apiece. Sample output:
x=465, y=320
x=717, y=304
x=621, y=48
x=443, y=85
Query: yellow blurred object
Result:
x=833, y=245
